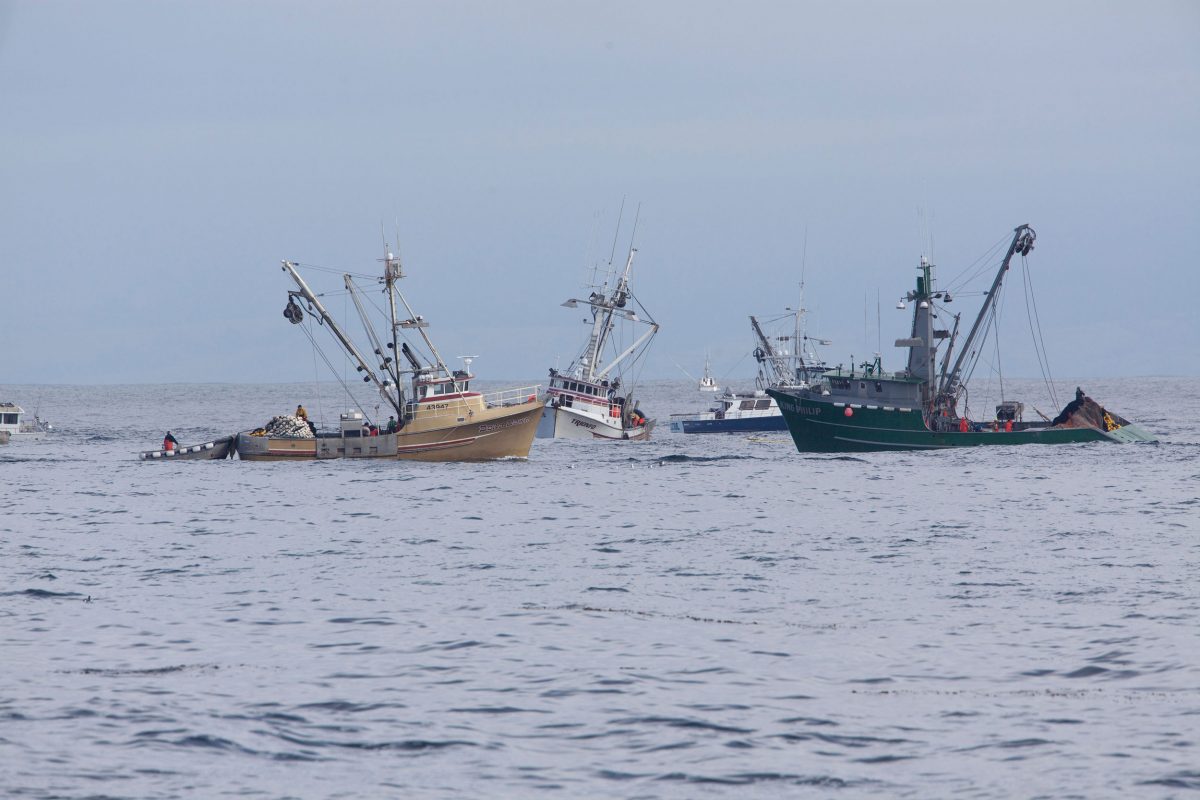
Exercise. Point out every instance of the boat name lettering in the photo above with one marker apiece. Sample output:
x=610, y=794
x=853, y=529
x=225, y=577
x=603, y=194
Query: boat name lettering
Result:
x=502, y=425
x=799, y=409
x=438, y=406
x=583, y=424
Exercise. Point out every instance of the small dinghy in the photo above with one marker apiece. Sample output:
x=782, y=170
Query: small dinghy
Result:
x=224, y=447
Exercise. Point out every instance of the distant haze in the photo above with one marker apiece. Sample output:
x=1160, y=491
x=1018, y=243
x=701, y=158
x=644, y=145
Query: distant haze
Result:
x=159, y=159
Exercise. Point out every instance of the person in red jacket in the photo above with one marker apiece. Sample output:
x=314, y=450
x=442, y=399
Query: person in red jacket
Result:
x=170, y=442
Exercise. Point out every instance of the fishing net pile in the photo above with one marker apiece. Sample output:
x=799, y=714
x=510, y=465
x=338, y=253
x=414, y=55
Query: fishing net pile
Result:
x=1084, y=412
x=286, y=425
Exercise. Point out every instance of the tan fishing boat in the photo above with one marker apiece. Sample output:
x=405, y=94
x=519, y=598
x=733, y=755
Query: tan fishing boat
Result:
x=438, y=418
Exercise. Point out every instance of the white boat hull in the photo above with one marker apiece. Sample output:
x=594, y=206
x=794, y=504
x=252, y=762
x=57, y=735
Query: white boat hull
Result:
x=25, y=436
x=573, y=423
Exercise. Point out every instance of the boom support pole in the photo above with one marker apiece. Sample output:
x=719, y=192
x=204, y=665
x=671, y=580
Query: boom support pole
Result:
x=1022, y=242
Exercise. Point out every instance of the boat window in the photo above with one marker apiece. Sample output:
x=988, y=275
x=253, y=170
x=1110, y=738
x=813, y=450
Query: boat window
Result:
x=10, y=419
x=878, y=386
x=761, y=404
x=862, y=385
x=746, y=405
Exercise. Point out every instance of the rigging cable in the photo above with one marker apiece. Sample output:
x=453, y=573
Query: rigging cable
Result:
x=999, y=364
x=316, y=379
x=976, y=267
x=332, y=369
x=1039, y=343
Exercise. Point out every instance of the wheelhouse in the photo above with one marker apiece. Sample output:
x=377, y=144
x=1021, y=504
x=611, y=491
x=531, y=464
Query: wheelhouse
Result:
x=432, y=389
x=11, y=418
x=575, y=389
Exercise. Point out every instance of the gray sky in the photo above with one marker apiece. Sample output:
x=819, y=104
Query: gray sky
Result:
x=160, y=158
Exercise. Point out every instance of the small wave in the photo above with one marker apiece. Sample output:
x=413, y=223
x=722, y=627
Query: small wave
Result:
x=41, y=593
x=1094, y=671
x=682, y=722
x=746, y=778
x=218, y=743
x=406, y=745
x=688, y=617
x=1187, y=779
x=813, y=721
x=346, y=707
x=498, y=710
x=459, y=644
x=882, y=759
x=120, y=673
x=854, y=741
x=681, y=458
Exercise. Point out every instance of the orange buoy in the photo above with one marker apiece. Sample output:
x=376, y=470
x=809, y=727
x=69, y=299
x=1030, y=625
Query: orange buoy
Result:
x=849, y=412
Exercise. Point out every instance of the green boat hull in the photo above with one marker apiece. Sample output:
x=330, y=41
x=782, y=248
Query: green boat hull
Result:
x=823, y=426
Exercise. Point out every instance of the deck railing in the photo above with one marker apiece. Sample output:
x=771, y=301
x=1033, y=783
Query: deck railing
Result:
x=512, y=397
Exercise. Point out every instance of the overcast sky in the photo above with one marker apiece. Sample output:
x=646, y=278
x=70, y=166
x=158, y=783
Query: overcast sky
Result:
x=158, y=159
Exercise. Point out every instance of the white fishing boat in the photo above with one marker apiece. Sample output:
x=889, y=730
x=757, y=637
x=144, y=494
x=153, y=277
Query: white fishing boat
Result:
x=594, y=397
x=436, y=415
x=15, y=426
x=707, y=382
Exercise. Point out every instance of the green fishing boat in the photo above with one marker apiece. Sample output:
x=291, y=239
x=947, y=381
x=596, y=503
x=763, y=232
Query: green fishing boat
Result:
x=925, y=406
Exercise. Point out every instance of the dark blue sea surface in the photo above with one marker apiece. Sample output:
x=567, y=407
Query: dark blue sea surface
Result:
x=695, y=616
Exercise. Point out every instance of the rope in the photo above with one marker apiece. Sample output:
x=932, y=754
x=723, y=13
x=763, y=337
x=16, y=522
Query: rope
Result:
x=978, y=266
x=317, y=386
x=333, y=370
x=1039, y=342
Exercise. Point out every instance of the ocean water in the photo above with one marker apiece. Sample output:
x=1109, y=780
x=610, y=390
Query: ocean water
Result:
x=696, y=616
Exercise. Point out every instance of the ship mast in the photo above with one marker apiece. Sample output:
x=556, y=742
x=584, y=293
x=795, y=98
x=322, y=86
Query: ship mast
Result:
x=604, y=308
x=603, y=324
x=392, y=271
x=768, y=354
